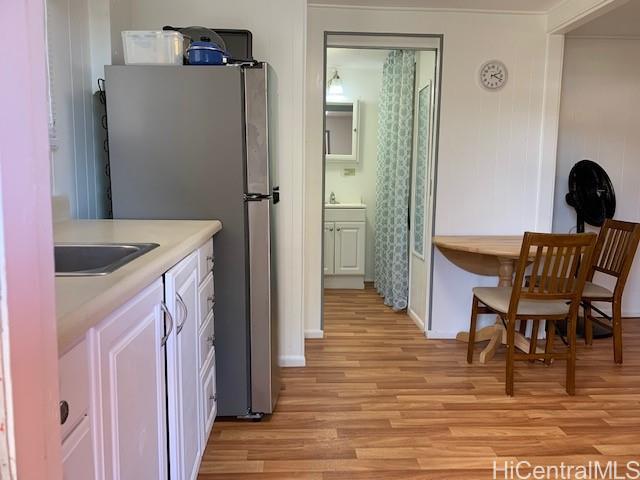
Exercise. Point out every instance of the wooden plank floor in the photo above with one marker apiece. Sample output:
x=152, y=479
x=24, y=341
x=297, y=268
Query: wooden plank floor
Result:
x=379, y=401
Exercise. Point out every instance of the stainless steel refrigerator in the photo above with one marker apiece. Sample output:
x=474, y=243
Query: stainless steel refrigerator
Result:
x=192, y=142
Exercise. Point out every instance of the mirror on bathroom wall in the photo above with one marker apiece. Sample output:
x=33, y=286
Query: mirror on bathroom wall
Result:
x=341, y=132
x=422, y=152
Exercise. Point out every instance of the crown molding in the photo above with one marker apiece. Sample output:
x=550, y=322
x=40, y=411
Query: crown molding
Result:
x=602, y=37
x=425, y=9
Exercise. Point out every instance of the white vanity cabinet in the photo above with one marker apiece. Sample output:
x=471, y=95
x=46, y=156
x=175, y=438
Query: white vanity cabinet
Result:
x=349, y=248
x=139, y=392
x=344, y=246
x=329, y=247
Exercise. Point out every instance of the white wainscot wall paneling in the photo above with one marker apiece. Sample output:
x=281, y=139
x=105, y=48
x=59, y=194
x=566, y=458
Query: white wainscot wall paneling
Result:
x=491, y=144
x=600, y=120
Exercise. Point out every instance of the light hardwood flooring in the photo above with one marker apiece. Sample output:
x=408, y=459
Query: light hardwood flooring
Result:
x=379, y=401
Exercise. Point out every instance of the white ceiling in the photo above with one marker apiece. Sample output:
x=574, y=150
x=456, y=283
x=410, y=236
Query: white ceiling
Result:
x=623, y=21
x=360, y=58
x=503, y=5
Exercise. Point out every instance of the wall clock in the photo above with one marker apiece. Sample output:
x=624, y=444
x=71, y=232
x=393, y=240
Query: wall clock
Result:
x=493, y=75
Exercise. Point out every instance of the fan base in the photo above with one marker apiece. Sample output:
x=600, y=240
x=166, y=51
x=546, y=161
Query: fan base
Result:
x=598, y=330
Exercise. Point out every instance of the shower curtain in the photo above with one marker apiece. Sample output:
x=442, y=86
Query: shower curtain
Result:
x=393, y=182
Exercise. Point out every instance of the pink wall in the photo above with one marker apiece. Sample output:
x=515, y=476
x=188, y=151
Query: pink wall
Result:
x=26, y=223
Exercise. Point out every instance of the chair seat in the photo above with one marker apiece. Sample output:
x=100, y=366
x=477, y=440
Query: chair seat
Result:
x=498, y=298
x=592, y=290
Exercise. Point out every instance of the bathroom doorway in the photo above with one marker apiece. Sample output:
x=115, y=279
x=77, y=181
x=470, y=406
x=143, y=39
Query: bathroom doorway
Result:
x=381, y=106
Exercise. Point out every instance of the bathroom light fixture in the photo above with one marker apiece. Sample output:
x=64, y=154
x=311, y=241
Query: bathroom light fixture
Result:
x=335, y=84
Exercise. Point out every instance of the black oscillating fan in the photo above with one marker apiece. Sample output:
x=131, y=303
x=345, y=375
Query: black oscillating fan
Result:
x=591, y=194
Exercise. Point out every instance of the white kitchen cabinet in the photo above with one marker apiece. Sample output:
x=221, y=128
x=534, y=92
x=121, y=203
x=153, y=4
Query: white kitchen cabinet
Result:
x=349, y=248
x=129, y=401
x=329, y=247
x=138, y=395
x=208, y=391
x=75, y=392
x=77, y=453
x=209, y=397
x=183, y=369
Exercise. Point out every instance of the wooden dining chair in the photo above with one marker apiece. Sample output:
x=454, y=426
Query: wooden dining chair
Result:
x=557, y=277
x=613, y=255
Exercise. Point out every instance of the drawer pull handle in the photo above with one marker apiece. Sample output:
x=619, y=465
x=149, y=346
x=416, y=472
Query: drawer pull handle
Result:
x=64, y=411
x=211, y=339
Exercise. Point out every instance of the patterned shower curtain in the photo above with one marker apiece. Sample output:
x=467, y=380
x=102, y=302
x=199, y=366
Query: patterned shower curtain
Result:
x=393, y=183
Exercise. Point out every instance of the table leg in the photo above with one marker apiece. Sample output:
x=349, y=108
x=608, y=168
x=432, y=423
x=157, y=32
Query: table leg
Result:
x=499, y=337
x=505, y=272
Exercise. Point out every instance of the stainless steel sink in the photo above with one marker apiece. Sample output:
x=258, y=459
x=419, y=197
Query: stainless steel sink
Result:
x=92, y=259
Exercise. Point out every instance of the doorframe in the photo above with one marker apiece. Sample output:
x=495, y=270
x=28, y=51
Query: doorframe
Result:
x=431, y=205
x=27, y=303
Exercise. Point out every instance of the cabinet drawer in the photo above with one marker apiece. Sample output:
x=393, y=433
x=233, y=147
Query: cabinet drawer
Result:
x=205, y=260
x=209, y=398
x=206, y=299
x=207, y=340
x=74, y=387
x=345, y=214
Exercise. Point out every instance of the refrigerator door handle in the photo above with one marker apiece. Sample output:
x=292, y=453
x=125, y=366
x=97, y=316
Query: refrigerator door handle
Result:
x=256, y=197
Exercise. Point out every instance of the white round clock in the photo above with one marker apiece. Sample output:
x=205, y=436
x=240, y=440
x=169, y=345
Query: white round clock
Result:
x=493, y=75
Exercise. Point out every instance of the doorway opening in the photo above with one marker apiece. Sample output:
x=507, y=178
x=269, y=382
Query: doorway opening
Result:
x=380, y=132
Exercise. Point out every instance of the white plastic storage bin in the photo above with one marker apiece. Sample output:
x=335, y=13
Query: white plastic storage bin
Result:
x=151, y=47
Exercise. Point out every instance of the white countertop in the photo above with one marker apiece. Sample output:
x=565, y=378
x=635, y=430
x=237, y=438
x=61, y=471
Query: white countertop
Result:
x=82, y=302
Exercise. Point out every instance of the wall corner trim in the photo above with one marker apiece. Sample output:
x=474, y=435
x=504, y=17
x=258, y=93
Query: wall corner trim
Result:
x=416, y=319
x=286, y=361
x=440, y=335
x=314, y=334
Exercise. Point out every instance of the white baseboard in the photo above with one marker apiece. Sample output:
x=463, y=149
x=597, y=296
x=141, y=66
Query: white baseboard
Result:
x=349, y=282
x=313, y=334
x=439, y=335
x=291, y=361
x=416, y=319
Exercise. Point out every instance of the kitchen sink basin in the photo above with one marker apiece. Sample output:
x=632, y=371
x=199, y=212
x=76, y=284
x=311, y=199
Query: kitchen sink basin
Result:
x=92, y=259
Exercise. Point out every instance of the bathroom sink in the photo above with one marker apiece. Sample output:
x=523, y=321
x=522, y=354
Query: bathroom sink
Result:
x=92, y=259
x=344, y=205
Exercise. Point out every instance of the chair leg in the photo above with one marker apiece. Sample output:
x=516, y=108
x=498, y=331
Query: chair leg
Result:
x=511, y=335
x=533, y=344
x=588, y=324
x=472, y=329
x=571, y=361
x=551, y=333
x=617, y=331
